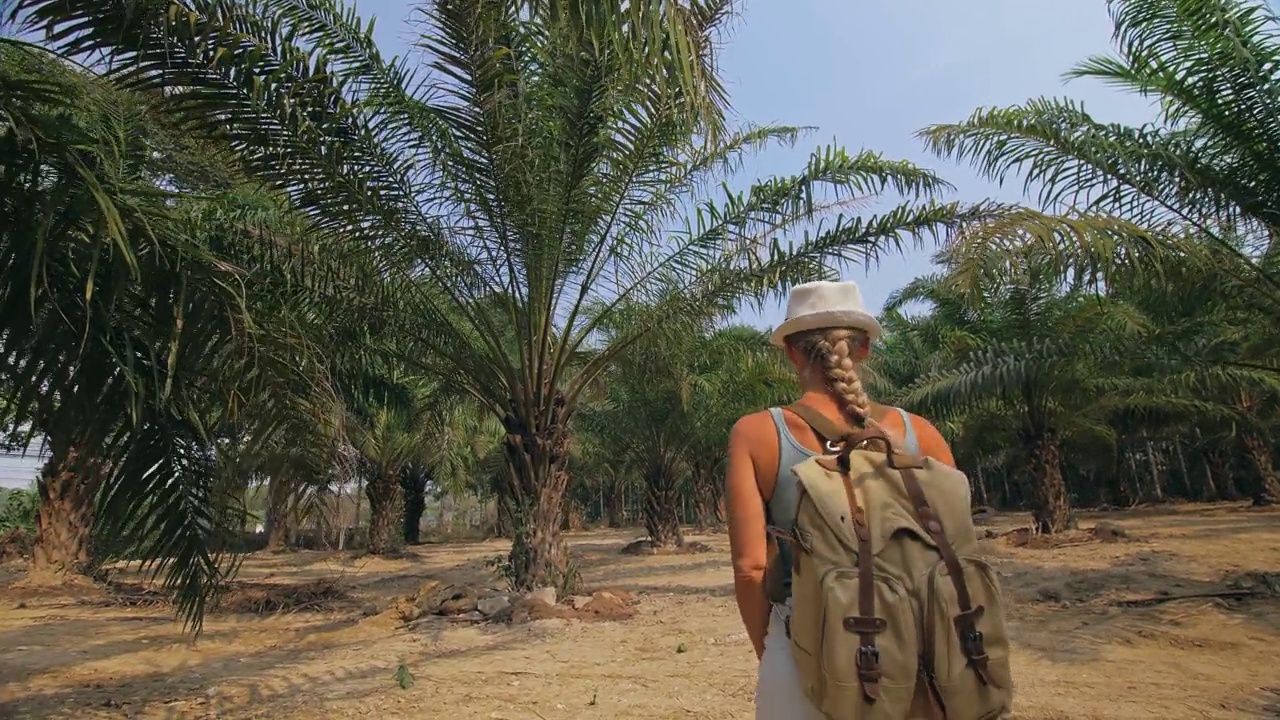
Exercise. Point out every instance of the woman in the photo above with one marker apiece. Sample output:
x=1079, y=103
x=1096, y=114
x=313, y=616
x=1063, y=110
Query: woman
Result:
x=827, y=333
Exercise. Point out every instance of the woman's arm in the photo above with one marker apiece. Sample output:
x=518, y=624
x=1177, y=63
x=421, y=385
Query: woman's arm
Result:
x=748, y=540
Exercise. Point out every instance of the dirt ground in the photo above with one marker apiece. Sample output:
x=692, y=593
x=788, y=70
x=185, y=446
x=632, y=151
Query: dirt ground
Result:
x=1078, y=655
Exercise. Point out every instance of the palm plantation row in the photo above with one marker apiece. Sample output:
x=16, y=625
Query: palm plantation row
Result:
x=240, y=245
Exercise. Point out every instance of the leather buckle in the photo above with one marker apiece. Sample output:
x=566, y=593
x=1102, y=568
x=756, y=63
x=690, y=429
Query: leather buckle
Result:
x=868, y=658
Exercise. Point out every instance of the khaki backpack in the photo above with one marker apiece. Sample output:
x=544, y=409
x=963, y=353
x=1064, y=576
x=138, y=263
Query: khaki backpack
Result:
x=894, y=617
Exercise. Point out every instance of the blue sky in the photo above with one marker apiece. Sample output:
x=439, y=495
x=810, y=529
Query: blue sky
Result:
x=870, y=73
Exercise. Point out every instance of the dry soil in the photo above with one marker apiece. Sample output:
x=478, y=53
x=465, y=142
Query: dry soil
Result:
x=1078, y=655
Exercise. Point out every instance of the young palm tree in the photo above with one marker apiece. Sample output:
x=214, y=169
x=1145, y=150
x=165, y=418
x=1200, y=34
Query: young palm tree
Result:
x=1028, y=370
x=666, y=409
x=1216, y=326
x=737, y=372
x=1041, y=356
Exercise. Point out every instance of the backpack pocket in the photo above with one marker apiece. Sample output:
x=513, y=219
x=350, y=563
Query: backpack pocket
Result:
x=965, y=693
x=843, y=696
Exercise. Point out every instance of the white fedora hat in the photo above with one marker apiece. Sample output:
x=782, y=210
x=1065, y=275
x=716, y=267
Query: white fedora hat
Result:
x=825, y=304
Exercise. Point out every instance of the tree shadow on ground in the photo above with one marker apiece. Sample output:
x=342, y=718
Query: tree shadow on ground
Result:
x=1070, y=614
x=1266, y=704
x=250, y=685
x=53, y=643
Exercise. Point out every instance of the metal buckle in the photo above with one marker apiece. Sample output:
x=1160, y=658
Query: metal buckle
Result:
x=868, y=657
x=972, y=643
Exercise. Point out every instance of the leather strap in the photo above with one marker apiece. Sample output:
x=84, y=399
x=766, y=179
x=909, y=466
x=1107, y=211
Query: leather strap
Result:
x=865, y=623
x=966, y=623
x=826, y=428
x=838, y=437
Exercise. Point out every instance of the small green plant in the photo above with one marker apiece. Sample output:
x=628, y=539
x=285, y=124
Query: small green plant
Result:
x=404, y=678
x=501, y=564
x=18, y=510
x=567, y=584
x=572, y=579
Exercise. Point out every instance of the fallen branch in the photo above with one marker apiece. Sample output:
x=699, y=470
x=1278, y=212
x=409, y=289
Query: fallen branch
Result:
x=1161, y=599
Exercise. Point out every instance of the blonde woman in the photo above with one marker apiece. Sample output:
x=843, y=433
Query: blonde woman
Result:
x=826, y=335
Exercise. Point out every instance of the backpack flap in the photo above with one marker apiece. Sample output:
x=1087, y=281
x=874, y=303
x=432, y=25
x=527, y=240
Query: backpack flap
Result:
x=888, y=509
x=826, y=489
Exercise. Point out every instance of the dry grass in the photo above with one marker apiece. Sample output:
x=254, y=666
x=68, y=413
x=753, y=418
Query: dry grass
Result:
x=1081, y=652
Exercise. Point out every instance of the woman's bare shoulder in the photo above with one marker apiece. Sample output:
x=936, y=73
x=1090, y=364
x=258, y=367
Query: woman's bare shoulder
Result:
x=931, y=441
x=753, y=448
x=750, y=427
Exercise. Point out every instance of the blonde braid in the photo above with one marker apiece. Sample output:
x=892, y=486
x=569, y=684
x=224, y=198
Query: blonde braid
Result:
x=833, y=349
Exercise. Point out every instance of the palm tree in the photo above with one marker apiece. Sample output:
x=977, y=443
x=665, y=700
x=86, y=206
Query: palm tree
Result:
x=737, y=372
x=600, y=478
x=1024, y=370
x=666, y=410
x=128, y=337
x=1193, y=195
x=1204, y=171
x=1028, y=350
x=460, y=448
x=535, y=182
x=641, y=421
x=1217, y=325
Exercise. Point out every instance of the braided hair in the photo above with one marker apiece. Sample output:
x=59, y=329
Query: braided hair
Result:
x=834, y=351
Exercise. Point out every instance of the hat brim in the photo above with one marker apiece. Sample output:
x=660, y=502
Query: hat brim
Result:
x=826, y=319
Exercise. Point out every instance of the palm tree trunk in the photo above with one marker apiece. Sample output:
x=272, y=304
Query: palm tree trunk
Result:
x=414, y=485
x=385, y=507
x=1210, y=491
x=706, y=502
x=1210, y=487
x=615, y=504
x=1222, y=469
x=722, y=509
x=981, y=487
x=536, y=452
x=574, y=520
x=662, y=507
x=1050, y=504
x=340, y=515
x=1188, y=488
x=279, y=521
x=1156, y=483
x=504, y=525
x=1130, y=487
x=68, y=487
x=1266, y=491
x=361, y=486
x=539, y=554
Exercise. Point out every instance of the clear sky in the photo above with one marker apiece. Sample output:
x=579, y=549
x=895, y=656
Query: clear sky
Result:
x=870, y=73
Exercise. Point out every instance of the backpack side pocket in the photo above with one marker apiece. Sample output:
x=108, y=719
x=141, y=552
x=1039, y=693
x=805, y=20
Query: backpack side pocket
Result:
x=970, y=671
